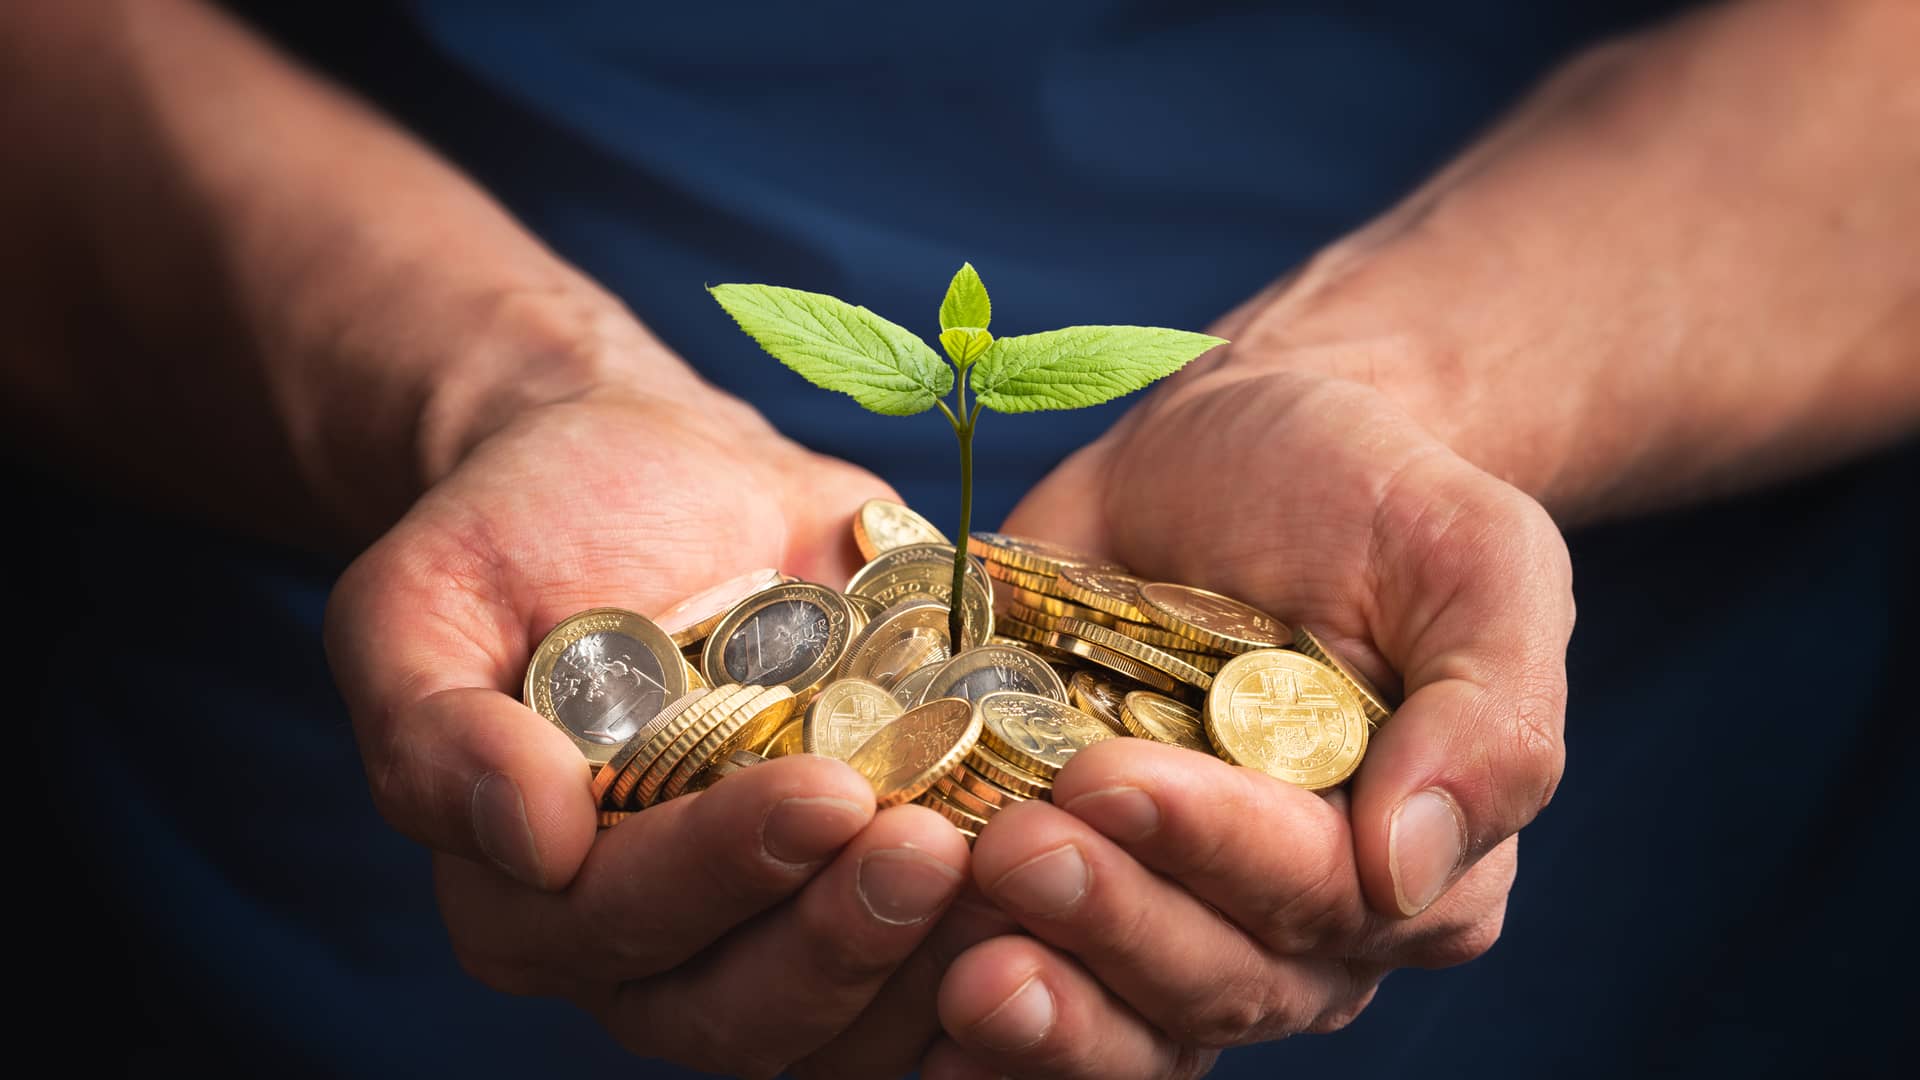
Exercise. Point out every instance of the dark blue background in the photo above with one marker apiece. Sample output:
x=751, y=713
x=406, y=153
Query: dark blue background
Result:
x=1719, y=886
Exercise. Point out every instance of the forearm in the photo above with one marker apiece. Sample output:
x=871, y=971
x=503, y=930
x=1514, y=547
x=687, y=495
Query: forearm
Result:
x=1688, y=265
x=287, y=304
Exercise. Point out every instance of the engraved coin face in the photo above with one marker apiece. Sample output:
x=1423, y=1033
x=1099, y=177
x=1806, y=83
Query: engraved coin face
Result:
x=601, y=675
x=693, y=618
x=1216, y=621
x=1037, y=733
x=790, y=635
x=882, y=525
x=1105, y=590
x=912, y=687
x=905, y=638
x=978, y=672
x=845, y=714
x=904, y=758
x=1379, y=711
x=1162, y=719
x=605, y=685
x=776, y=643
x=925, y=572
x=1098, y=698
x=1289, y=716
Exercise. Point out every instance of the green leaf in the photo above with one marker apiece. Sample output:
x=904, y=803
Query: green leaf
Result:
x=965, y=343
x=966, y=303
x=1080, y=366
x=837, y=346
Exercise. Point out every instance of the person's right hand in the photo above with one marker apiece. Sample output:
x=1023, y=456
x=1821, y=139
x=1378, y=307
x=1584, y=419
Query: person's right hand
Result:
x=737, y=930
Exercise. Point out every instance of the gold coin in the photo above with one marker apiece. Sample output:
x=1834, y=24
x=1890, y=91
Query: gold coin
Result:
x=966, y=822
x=1288, y=715
x=1022, y=579
x=725, y=767
x=1110, y=591
x=1371, y=699
x=1033, y=556
x=670, y=746
x=695, y=681
x=845, y=714
x=975, y=812
x=751, y=726
x=905, y=638
x=692, y=619
x=610, y=818
x=912, y=687
x=1099, y=698
x=1149, y=634
x=1209, y=662
x=988, y=764
x=1162, y=719
x=687, y=750
x=790, y=635
x=978, y=672
x=980, y=787
x=1215, y=621
x=925, y=571
x=903, y=759
x=671, y=722
x=604, y=779
x=1158, y=659
x=1036, y=733
x=600, y=676
x=788, y=741
x=1112, y=661
x=1053, y=605
x=865, y=607
x=882, y=525
x=946, y=788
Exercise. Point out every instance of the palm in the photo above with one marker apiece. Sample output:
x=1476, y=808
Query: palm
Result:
x=1321, y=502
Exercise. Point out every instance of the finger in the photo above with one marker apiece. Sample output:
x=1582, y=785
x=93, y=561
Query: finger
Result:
x=1026, y=1010
x=452, y=761
x=1479, y=579
x=894, y=1031
x=1189, y=972
x=1291, y=882
x=781, y=987
x=662, y=885
x=820, y=504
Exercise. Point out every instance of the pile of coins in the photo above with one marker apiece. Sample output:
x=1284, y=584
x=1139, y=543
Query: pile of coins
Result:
x=1060, y=650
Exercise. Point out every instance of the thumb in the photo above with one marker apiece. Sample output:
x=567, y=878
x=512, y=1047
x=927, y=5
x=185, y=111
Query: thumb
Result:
x=1069, y=506
x=453, y=761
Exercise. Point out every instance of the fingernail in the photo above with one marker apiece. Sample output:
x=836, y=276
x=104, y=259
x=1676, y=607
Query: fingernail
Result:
x=807, y=830
x=902, y=886
x=1018, y=1022
x=1120, y=813
x=500, y=827
x=1424, y=845
x=1045, y=884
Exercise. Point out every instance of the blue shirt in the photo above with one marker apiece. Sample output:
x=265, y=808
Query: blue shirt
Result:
x=1703, y=893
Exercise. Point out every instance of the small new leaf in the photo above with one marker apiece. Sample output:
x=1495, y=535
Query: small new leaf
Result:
x=1080, y=366
x=839, y=346
x=965, y=344
x=966, y=303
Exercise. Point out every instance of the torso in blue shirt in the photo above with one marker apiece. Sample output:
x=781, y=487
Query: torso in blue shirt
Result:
x=1682, y=903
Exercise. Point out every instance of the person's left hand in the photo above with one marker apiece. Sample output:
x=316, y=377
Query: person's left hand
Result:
x=1177, y=904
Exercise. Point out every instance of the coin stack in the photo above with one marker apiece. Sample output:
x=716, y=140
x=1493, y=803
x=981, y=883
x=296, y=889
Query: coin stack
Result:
x=1059, y=650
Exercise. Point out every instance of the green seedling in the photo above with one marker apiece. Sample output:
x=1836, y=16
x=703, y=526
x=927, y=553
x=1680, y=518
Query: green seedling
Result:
x=890, y=370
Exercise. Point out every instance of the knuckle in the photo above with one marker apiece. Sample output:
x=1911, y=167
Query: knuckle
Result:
x=1344, y=1012
x=1317, y=910
x=1539, y=755
x=1468, y=943
x=1231, y=1012
x=839, y=955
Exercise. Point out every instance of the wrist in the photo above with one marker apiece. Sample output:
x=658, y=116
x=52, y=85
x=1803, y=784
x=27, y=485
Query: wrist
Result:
x=1381, y=309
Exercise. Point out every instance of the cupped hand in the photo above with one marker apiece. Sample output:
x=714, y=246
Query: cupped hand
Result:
x=1178, y=905
x=737, y=930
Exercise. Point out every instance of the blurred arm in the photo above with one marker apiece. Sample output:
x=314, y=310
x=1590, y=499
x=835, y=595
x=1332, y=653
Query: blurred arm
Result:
x=228, y=285
x=1689, y=264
